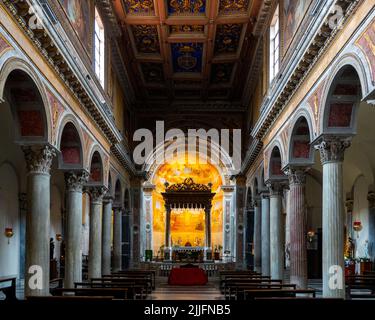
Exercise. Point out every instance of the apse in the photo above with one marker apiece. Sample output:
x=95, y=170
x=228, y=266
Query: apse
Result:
x=187, y=225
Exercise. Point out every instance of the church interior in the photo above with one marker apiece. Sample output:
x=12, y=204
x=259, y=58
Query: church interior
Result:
x=187, y=150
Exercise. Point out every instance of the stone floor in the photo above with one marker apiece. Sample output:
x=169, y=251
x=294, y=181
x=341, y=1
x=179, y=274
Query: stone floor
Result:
x=164, y=291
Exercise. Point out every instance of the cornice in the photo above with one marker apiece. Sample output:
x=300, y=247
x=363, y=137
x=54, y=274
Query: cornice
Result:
x=123, y=156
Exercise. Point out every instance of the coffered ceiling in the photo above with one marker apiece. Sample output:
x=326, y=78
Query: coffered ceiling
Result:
x=188, y=51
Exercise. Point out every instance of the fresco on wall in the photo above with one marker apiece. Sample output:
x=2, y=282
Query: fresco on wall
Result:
x=81, y=16
x=293, y=13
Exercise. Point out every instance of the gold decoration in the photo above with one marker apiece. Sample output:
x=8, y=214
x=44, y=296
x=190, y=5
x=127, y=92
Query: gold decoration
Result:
x=187, y=185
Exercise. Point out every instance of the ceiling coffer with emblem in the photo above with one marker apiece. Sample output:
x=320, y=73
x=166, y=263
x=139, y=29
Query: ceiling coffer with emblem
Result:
x=185, y=49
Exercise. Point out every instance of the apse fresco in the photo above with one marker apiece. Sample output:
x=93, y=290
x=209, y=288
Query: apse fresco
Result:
x=187, y=226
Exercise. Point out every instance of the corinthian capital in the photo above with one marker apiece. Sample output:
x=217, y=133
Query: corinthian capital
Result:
x=275, y=187
x=332, y=148
x=75, y=181
x=39, y=158
x=97, y=193
x=296, y=175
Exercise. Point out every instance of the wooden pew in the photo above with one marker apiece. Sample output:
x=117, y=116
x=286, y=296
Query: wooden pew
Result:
x=138, y=279
x=10, y=289
x=224, y=274
x=275, y=293
x=138, y=282
x=230, y=282
x=148, y=273
x=134, y=290
x=237, y=291
x=115, y=293
x=360, y=282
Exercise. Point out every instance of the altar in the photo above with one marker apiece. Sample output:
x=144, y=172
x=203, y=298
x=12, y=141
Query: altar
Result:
x=195, y=197
x=188, y=254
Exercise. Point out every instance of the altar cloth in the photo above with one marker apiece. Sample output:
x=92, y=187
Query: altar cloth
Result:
x=187, y=277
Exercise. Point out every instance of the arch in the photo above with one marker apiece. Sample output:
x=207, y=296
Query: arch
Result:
x=300, y=149
x=70, y=145
x=270, y=159
x=33, y=118
x=96, y=168
x=225, y=167
x=275, y=164
x=342, y=95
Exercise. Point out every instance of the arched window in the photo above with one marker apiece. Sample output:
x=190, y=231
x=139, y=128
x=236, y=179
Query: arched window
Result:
x=99, y=48
x=274, y=45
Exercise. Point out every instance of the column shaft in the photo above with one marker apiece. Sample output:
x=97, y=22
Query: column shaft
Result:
x=333, y=230
x=298, y=253
x=95, y=237
x=257, y=237
x=265, y=231
x=106, y=236
x=276, y=238
x=38, y=161
x=332, y=151
x=117, y=239
x=73, y=256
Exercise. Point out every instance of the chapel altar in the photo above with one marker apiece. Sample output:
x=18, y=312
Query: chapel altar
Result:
x=195, y=197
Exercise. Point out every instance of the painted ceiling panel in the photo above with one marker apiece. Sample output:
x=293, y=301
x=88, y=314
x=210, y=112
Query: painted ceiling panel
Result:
x=152, y=72
x=186, y=7
x=227, y=38
x=233, y=6
x=186, y=28
x=146, y=38
x=139, y=7
x=187, y=57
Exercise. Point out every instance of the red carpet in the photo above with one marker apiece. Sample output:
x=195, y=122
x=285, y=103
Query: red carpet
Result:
x=187, y=277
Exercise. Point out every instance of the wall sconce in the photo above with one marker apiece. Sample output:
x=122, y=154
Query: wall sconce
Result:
x=310, y=235
x=9, y=233
x=357, y=226
x=58, y=237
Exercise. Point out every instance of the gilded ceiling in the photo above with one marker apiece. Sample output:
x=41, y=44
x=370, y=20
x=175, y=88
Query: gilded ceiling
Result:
x=186, y=49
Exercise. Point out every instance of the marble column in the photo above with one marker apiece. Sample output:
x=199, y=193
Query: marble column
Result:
x=208, y=241
x=276, y=236
x=95, y=238
x=297, y=220
x=117, y=215
x=74, y=182
x=332, y=156
x=106, y=235
x=265, y=233
x=167, y=246
x=38, y=162
x=257, y=236
x=228, y=233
